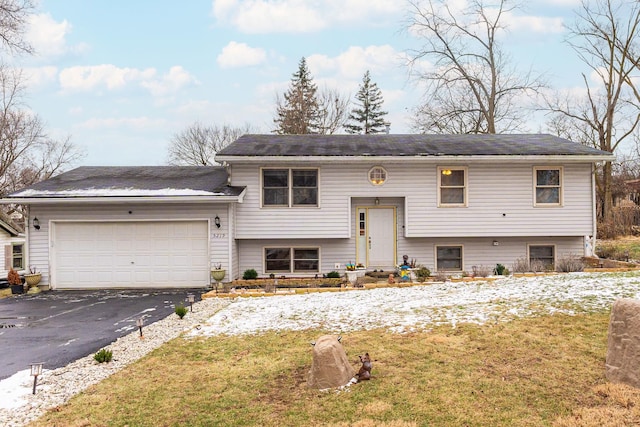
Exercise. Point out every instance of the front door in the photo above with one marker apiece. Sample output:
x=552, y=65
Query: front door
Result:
x=378, y=242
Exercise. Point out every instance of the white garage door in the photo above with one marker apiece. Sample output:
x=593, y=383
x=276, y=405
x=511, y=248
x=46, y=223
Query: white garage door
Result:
x=130, y=254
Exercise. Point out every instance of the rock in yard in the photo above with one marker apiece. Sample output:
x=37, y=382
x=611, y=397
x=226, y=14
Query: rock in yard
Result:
x=330, y=367
x=623, y=343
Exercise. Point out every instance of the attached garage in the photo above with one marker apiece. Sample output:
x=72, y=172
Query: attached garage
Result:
x=135, y=254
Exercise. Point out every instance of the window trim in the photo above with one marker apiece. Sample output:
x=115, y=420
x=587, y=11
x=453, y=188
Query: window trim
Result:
x=552, y=245
x=292, y=259
x=560, y=187
x=435, y=256
x=290, y=187
x=22, y=257
x=465, y=187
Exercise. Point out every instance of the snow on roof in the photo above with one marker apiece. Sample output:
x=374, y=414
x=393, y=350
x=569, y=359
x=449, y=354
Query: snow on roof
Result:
x=115, y=192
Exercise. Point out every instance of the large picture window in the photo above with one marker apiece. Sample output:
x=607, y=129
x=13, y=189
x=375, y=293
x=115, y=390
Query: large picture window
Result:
x=452, y=187
x=449, y=258
x=548, y=186
x=292, y=260
x=290, y=187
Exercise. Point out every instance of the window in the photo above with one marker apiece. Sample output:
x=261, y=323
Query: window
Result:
x=289, y=187
x=280, y=260
x=17, y=256
x=377, y=175
x=452, y=186
x=548, y=186
x=449, y=258
x=544, y=254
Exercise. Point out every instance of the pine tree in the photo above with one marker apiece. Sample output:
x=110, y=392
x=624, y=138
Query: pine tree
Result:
x=367, y=117
x=299, y=112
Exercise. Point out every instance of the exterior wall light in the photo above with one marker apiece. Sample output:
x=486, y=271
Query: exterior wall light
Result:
x=36, y=369
x=36, y=223
x=216, y=221
x=495, y=243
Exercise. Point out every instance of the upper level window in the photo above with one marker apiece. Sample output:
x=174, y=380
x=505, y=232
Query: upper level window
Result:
x=377, y=175
x=290, y=187
x=452, y=186
x=548, y=186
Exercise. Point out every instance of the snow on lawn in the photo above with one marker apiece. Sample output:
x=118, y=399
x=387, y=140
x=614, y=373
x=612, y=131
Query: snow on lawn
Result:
x=421, y=307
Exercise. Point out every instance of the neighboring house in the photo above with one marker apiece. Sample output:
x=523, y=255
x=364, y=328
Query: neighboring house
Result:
x=13, y=241
x=304, y=205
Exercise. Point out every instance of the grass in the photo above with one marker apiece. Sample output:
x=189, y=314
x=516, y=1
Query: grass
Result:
x=619, y=248
x=4, y=293
x=528, y=372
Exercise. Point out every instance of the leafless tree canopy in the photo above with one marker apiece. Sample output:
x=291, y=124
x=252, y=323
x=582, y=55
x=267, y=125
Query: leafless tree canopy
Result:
x=197, y=144
x=14, y=15
x=472, y=86
x=333, y=110
x=606, y=36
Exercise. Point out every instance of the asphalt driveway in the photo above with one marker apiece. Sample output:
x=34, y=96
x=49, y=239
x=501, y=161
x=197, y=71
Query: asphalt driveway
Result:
x=58, y=327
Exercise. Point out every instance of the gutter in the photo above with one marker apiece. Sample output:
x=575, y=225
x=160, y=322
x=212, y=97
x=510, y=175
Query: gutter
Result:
x=123, y=199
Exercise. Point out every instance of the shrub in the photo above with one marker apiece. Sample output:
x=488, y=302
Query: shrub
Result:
x=441, y=276
x=500, y=270
x=103, y=356
x=181, y=310
x=520, y=265
x=13, y=277
x=569, y=263
x=333, y=275
x=481, y=271
x=250, y=274
x=422, y=273
x=537, y=266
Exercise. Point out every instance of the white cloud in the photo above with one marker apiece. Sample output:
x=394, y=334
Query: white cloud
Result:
x=39, y=76
x=356, y=60
x=536, y=24
x=240, y=55
x=302, y=16
x=169, y=83
x=48, y=37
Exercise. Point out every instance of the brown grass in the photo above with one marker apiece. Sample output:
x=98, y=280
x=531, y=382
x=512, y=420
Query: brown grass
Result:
x=4, y=293
x=529, y=372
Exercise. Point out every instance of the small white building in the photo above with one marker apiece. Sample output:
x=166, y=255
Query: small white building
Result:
x=304, y=205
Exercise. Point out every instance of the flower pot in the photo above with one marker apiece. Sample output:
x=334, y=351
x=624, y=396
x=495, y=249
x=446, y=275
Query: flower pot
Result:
x=218, y=274
x=352, y=276
x=17, y=289
x=32, y=279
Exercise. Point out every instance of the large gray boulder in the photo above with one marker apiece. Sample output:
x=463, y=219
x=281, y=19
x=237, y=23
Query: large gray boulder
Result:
x=623, y=343
x=330, y=367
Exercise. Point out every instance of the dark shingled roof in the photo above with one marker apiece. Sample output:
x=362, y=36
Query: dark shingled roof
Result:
x=211, y=179
x=405, y=145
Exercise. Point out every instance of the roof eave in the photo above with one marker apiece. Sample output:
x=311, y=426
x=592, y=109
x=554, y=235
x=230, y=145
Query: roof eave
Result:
x=564, y=158
x=123, y=199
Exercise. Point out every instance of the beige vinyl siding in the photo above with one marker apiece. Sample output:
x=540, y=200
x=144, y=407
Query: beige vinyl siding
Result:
x=500, y=202
x=39, y=250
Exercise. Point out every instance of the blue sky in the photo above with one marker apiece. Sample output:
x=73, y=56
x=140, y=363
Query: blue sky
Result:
x=121, y=76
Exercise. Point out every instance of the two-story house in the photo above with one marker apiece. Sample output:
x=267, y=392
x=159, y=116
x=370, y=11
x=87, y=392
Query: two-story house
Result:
x=301, y=205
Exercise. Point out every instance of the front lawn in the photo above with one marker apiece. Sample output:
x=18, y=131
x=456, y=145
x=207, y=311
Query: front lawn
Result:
x=546, y=370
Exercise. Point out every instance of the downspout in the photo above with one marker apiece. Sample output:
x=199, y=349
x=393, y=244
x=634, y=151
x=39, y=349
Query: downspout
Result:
x=593, y=212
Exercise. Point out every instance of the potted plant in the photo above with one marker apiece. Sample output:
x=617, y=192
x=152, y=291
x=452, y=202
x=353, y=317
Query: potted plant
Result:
x=33, y=277
x=218, y=273
x=352, y=274
x=15, y=282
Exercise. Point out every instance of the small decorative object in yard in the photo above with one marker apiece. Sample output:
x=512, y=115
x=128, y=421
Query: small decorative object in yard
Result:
x=15, y=282
x=330, y=367
x=103, y=355
x=33, y=277
x=36, y=369
x=181, y=311
x=391, y=279
x=365, y=370
x=191, y=298
x=217, y=274
x=350, y=266
x=623, y=343
x=139, y=324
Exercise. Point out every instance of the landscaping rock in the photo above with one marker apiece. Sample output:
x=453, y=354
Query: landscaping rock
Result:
x=330, y=367
x=623, y=343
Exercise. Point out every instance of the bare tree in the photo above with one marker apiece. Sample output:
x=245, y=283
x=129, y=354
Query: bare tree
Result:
x=197, y=144
x=333, y=110
x=14, y=16
x=297, y=111
x=606, y=37
x=472, y=87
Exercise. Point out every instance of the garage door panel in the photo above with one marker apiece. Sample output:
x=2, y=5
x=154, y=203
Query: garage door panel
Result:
x=131, y=254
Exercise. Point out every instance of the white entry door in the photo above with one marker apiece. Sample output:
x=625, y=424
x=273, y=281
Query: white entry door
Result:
x=381, y=238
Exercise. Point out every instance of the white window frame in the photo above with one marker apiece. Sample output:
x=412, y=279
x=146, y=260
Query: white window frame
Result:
x=560, y=187
x=290, y=187
x=377, y=172
x=435, y=255
x=21, y=257
x=465, y=187
x=551, y=245
x=292, y=259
